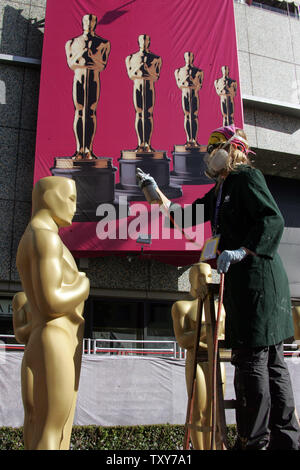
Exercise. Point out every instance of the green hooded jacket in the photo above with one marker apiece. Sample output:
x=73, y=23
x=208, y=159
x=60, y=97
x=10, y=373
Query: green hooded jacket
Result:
x=256, y=290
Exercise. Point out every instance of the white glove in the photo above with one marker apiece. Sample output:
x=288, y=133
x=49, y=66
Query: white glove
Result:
x=228, y=257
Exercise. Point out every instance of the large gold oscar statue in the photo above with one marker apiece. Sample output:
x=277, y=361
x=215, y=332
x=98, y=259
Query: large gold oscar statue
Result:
x=184, y=315
x=48, y=317
x=189, y=80
x=296, y=319
x=87, y=56
x=226, y=88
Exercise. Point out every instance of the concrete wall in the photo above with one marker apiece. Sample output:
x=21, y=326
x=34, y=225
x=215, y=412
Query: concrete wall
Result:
x=20, y=34
x=269, y=63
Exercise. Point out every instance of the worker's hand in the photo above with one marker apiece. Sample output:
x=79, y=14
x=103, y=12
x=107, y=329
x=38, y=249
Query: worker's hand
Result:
x=228, y=257
x=143, y=179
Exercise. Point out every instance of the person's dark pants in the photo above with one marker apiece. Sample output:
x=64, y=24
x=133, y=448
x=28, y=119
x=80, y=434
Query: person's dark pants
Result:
x=265, y=408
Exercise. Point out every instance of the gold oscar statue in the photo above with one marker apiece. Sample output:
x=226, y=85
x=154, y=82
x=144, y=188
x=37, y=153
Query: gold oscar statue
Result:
x=226, y=88
x=47, y=317
x=87, y=56
x=296, y=319
x=143, y=67
x=184, y=315
x=189, y=80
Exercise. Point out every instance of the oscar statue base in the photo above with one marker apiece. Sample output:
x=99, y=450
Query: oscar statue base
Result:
x=156, y=163
x=95, y=185
x=189, y=166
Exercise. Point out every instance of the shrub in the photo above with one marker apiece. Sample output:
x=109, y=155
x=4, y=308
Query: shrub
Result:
x=148, y=437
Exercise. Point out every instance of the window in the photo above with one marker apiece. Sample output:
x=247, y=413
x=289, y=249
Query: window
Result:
x=127, y=321
x=117, y=319
x=288, y=7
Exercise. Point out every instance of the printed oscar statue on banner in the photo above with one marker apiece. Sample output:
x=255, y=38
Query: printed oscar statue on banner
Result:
x=87, y=56
x=189, y=80
x=143, y=68
x=188, y=161
x=226, y=88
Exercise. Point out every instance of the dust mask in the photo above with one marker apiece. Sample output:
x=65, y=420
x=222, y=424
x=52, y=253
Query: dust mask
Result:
x=218, y=161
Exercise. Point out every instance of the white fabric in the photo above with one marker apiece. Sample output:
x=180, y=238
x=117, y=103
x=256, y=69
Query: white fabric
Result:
x=122, y=390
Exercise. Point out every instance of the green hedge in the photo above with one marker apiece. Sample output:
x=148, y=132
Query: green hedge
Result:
x=154, y=437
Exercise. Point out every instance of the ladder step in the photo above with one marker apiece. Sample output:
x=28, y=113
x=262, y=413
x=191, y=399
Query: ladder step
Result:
x=230, y=404
x=200, y=428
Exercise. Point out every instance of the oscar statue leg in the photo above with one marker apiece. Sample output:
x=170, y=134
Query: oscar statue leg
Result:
x=92, y=103
x=138, y=105
x=204, y=395
x=230, y=107
x=187, y=114
x=194, y=116
x=148, y=112
x=224, y=109
x=201, y=407
x=51, y=361
x=28, y=403
x=78, y=125
x=65, y=444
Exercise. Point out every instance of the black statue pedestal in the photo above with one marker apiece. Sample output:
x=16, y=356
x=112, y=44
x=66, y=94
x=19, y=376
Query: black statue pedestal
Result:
x=156, y=163
x=189, y=166
x=95, y=185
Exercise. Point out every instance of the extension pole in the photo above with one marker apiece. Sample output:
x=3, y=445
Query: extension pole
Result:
x=214, y=365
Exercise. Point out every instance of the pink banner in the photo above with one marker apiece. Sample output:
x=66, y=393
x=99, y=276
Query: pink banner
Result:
x=128, y=84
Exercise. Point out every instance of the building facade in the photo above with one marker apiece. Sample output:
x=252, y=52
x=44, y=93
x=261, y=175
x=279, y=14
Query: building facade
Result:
x=131, y=296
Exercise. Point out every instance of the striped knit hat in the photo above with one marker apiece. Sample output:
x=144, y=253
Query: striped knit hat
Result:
x=227, y=134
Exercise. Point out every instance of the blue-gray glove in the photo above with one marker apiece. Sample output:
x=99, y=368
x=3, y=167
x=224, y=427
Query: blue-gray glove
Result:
x=228, y=257
x=144, y=179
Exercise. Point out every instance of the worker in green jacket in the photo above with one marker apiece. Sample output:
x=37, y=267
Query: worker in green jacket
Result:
x=256, y=291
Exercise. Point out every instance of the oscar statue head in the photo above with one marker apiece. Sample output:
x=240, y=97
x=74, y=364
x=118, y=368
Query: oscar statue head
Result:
x=144, y=42
x=89, y=23
x=189, y=58
x=56, y=196
x=225, y=70
x=199, y=276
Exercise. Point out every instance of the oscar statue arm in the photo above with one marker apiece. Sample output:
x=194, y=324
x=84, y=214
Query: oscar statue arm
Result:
x=74, y=58
x=216, y=86
x=54, y=297
x=100, y=59
x=235, y=86
x=176, y=74
x=184, y=336
x=219, y=86
x=21, y=318
x=108, y=48
x=158, y=67
x=200, y=77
